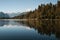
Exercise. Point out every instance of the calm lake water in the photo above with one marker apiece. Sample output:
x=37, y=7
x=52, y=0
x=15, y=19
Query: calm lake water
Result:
x=15, y=30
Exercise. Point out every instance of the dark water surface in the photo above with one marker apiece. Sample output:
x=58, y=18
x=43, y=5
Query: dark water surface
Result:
x=18, y=30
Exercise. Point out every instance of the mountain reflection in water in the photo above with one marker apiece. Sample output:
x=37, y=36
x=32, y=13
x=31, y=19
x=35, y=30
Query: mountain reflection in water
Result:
x=3, y=22
x=29, y=30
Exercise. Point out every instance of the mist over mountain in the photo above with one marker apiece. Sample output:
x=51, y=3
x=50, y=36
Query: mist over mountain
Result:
x=15, y=14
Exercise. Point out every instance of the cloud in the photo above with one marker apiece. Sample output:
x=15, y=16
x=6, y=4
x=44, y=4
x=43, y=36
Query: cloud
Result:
x=11, y=11
x=8, y=11
x=28, y=9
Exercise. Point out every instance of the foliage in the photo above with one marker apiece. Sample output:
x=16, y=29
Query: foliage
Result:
x=48, y=11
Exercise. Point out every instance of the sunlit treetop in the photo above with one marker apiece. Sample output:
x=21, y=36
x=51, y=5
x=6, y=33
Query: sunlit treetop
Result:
x=58, y=0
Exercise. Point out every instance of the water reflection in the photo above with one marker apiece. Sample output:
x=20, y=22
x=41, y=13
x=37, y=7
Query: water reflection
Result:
x=47, y=27
x=29, y=30
x=3, y=22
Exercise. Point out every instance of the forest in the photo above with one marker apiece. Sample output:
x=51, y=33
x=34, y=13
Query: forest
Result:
x=48, y=11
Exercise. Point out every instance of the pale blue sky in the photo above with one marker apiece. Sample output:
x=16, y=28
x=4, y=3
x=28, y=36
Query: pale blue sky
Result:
x=9, y=6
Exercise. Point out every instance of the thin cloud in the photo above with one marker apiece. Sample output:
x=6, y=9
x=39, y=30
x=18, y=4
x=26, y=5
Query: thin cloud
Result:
x=28, y=9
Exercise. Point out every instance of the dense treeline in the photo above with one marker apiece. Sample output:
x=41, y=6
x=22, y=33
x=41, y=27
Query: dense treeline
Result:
x=48, y=11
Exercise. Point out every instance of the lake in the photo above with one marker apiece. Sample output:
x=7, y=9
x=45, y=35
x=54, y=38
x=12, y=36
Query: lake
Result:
x=23, y=30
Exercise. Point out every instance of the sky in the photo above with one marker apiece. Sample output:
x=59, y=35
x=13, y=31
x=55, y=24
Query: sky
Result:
x=9, y=6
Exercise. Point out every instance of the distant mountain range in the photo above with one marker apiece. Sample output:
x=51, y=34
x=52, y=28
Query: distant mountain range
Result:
x=3, y=15
x=10, y=15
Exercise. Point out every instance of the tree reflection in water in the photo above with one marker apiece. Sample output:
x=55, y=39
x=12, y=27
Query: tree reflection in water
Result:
x=47, y=27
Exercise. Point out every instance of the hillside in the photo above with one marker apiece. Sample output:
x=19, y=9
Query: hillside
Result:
x=48, y=11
